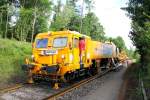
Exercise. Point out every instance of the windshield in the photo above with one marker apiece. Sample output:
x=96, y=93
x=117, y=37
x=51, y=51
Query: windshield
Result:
x=41, y=43
x=60, y=42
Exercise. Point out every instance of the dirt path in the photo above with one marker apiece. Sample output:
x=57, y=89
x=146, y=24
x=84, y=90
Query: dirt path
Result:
x=109, y=90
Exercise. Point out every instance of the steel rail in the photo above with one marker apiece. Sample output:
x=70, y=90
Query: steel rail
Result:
x=74, y=86
x=12, y=88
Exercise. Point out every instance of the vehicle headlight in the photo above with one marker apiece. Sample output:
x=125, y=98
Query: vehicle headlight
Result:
x=32, y=57
x=71, y=57
x=42, y=52
x=88, y=55
x=62, y=56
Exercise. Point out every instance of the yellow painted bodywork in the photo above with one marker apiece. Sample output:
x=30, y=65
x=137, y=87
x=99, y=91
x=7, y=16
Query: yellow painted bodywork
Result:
x=71, y=59
x=67, y=57
x=122, y=56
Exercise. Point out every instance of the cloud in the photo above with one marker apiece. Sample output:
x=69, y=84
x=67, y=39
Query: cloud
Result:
x=114, y=20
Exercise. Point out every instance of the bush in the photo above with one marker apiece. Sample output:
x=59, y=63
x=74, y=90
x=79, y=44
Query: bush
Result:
x=133, y=88
x=12, y=55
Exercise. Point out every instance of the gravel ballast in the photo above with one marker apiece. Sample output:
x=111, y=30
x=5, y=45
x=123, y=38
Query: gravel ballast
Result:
x=99, y=89
x=104, y=88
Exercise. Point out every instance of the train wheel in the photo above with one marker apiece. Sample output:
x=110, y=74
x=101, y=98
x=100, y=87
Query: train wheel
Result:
x=36, y=80
x=67, y=77
x=93, y=70
x=88, y=72
x=72, y=76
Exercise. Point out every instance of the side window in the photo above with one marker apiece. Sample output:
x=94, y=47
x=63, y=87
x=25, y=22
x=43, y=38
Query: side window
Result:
x=75, y=42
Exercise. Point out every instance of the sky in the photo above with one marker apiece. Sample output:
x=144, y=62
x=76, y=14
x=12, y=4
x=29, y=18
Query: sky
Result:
x=113, y=19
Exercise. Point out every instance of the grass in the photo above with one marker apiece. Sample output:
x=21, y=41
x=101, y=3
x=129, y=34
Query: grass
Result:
x=12, y=55
x=146, y=81
x=133, y=87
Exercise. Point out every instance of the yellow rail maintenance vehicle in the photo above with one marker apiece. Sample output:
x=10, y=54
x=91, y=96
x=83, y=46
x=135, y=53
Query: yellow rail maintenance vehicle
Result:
x=62, y=56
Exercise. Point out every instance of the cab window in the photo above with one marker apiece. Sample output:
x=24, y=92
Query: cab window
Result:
x=60, y=42
x=41, y=43
x=75, y=42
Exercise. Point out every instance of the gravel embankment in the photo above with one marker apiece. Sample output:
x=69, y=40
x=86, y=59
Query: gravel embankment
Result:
x=36, y=92
x=104, y=88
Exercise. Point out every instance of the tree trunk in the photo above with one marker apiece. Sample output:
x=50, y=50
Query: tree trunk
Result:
x=81, y=16
x=1, y=22
x=6, y=23
x=34, y=20
x=12, y=35
x=21, y=34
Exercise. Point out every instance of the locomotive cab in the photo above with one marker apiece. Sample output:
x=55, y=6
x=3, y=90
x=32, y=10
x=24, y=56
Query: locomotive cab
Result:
x=57, y=54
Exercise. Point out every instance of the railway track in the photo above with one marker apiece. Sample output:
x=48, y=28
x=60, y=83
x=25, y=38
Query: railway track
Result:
x=74, y=86
x=12, y=88
x=50, y=95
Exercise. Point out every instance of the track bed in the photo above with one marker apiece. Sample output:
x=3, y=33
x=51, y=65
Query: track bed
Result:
x=40, y=91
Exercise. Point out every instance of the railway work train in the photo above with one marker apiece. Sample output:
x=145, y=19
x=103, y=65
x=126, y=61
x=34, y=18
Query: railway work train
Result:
x=62, y=56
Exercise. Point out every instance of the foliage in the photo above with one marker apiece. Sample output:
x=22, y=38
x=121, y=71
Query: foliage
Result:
x=75, y=23
x=133, y=54
x=23, y=26
x=119, y=42
x=92, y=27
x=70, y=18
x=62, y=18
x=89, y=5
x=131, y=85
x=139, y=12
x=31, y=17
x=12, y=55
x=41, y=10
x=4, y=17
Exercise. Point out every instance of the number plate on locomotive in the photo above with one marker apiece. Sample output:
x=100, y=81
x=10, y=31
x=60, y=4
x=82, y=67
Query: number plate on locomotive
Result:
x=50, y=52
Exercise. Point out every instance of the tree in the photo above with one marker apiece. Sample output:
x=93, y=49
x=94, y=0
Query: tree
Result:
x=24, y=24
x=139, y=12
x=62, y=18
x=66, y=16
x=34, y=17
x=89, y=5
x=92, y=27
x=4, y=17
x=119, y=42
x=90, y=23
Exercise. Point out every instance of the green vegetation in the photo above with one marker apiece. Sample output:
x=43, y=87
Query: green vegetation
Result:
x=131, y=80
x=138, y=11
x=12, y=55
x=71, y=18
x=23, y=19
x=119, y=42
